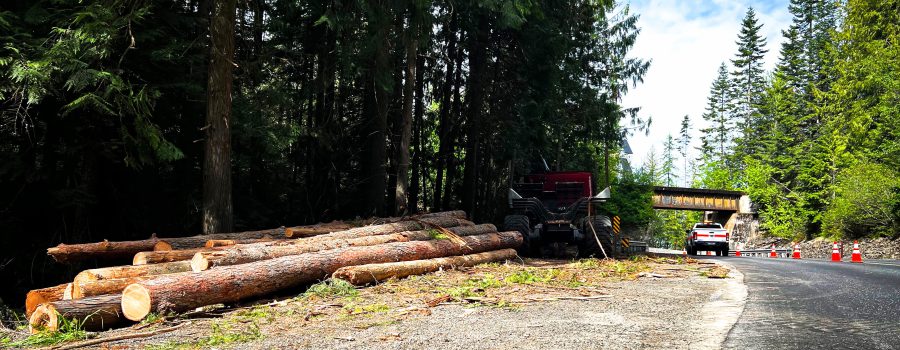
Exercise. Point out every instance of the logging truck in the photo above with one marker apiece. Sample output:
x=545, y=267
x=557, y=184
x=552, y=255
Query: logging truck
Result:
x=558, y=210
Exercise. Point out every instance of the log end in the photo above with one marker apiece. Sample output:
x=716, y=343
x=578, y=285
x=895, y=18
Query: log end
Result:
x=219, y=243
x=67, y=294
x=44, y=318
x=140, y=259
x=32, y=300
x=76, y=292
x=136, y=302
x=162, y=245
x=199, y=263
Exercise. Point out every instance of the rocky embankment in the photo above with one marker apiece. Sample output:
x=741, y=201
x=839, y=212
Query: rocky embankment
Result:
x=873, y=248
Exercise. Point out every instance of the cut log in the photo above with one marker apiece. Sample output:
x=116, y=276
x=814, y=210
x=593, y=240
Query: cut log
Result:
x=164, y=256
x=44, y=295
x=217, y=243
x=67, y=293
x=94, y=313
x=317, y=229
x=68, y=253
x=383, y=229
x=84, y=289
x=365, y=274
x=243, y=254
x=194, y=242
x=132, y=271
x=180, y=292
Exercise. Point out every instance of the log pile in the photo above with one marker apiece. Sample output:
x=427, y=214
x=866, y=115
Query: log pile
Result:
x=180, y=274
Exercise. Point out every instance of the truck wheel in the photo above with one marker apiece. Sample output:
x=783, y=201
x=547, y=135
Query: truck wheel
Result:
x=725, y=252
x=588, y=245
x=522, y=224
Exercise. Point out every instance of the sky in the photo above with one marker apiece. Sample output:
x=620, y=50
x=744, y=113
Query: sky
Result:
x=687, y=40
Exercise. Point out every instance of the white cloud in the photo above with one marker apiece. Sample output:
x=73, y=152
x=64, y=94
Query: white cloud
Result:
x=687, y=40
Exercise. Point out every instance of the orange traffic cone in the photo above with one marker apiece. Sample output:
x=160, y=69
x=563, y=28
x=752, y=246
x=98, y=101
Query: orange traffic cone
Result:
x=835, y=253
x=857, y=256
x=683, y=252
x=737, y=250
x=796, y=254
x=773, y=254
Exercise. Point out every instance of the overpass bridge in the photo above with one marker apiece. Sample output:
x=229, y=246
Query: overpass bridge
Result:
x=731, y=208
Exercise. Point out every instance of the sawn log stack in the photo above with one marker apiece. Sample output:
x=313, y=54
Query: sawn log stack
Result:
x=226, y=268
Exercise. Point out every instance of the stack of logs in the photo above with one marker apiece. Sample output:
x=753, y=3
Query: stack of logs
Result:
x=180, y=274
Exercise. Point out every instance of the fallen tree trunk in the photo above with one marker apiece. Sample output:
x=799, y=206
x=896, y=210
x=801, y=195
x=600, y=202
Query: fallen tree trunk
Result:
x=400, y=226
x=84, y=289
x=177, y=293
x=116, y=272
x=216, y=243
x=68, y=253
x=250, y=253
x=459, y=214
x=95, y=313
x=365, y=274
x=318, y=229
x=164, y=256
x=44, y=295
x=194, y=242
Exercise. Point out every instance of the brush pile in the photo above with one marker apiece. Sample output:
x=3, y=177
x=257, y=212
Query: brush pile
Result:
x=171, y=275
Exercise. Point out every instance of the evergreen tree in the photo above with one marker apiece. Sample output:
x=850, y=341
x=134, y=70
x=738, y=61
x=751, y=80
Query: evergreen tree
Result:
x=668, y=169
x=718, y=115
x=684, y=141
x=748, y=84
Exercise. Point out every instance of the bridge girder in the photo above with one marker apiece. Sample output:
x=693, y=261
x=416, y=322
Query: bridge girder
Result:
x=681, y=198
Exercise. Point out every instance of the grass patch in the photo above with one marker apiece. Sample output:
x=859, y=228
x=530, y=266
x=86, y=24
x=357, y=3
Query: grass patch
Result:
x=224, y=333
x=152, y=318
x=531, y=276
x=584, y=264
x=370, y=308
x=332, y=287
x=256, y=313
x=69, y=330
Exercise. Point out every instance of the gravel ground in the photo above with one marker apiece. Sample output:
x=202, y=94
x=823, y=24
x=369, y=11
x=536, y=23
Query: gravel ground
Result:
x=654, y=304
x=646, y=313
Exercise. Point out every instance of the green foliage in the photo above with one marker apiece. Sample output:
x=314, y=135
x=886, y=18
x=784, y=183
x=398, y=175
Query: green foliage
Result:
x=865, y=203
x=632, y=198
x=68, y=330
x=332, y=287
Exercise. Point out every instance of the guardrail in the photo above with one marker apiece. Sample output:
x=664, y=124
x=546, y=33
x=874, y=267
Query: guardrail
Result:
x=782, y=253
x=635, y=247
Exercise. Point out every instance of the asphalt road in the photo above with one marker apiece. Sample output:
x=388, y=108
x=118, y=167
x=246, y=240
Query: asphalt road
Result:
x=816, y=304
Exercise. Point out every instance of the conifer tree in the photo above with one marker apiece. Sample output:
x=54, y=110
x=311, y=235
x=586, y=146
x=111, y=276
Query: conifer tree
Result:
x=718, y=115
x=748, y=84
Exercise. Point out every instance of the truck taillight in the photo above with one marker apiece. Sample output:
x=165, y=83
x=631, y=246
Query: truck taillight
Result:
x=727, y=235
x=695, y=234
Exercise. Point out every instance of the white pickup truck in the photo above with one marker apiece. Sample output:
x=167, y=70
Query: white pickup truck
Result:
x=707, y=236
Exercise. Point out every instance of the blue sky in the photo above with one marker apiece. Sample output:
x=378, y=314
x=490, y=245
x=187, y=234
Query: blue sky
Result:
x=686, y=41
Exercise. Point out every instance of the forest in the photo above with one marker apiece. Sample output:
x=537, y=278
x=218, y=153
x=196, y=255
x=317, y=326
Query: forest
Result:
x=816, y=142
x=123, y=118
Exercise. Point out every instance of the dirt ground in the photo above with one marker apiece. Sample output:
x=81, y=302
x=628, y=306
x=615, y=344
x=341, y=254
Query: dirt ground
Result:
x=643, y=302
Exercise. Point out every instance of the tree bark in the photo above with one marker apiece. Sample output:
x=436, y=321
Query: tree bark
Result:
x=217, y=206
x=409, y=225
x=83, y=289
x=419, y=111
x=177, y=293
x=95, y=313
x=44, y=295
x=194, y=242
x=315, y=230
x=401, y=199
x=166, y=256
x=365, y=274
x=444, y=115
x=217, y=243
x=245, y=254
x=132, y=271
x=475, y=96
x=69, y=253
x=374, y=171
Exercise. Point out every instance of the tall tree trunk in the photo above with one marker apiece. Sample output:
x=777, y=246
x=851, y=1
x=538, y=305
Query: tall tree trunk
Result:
x=373, y=163
x=217, y=207
x=401, y=201
x=417, y=167
x=444, y=117
x=475, y=96
x=453, y=131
